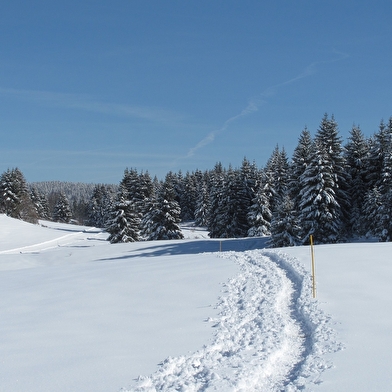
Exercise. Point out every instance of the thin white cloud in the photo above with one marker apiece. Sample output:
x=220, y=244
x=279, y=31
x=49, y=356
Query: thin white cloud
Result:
x=88, y=103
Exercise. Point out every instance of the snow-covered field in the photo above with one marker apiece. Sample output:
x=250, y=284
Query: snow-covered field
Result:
x=80, y=314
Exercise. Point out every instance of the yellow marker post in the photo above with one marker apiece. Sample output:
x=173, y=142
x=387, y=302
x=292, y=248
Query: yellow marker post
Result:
x=313, y=267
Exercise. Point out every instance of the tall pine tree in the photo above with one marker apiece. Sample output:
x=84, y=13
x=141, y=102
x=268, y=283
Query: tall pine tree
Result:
x=300, y=160
x=328, y=138
x=320, y=213
x=161, y=221
x=259, y=215
x=356, y=153
x=124, y=225
x=15, y=200
x=284, y=225
x=62, y=210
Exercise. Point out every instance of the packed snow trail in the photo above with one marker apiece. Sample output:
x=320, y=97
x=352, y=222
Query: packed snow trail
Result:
x=270, y=335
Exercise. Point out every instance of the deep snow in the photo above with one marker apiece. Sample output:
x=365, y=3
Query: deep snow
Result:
x=80, y=314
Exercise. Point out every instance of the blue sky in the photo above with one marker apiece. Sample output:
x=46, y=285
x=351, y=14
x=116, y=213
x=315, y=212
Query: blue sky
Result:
x=88, y=88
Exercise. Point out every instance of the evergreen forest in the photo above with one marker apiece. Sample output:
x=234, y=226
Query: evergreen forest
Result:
x=329, y=189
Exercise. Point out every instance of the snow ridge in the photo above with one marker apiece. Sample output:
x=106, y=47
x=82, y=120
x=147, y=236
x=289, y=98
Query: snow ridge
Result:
x=55, y=242
x=270, y=336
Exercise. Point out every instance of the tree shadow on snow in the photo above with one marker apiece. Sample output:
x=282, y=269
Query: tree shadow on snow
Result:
x=195, y=247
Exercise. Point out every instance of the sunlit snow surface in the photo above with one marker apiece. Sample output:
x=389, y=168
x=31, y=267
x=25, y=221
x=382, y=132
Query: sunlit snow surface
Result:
x=80, y=314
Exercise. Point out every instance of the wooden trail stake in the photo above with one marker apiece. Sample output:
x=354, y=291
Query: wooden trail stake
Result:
x=313, y=267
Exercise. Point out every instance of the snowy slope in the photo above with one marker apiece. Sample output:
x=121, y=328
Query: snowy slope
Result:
x=77, y=313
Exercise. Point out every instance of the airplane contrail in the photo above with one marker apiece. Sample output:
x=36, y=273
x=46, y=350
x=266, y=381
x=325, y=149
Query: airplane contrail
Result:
x=255, y=103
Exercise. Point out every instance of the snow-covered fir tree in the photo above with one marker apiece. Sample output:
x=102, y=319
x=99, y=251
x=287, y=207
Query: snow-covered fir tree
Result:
x=202, y=205
x=188, y=198
x=371, y=212
x=284, y=225
x=386, y=189
x=177, y=181
x=40, y=203
x=249, y=176
x=384, y=229
x=15, y=198
x=151, y=208
x=300, y=160
x=133, y=184
x=125, y=222
x=8, y=192
x=276, y=177
x=259, y=215
x=100, y=206
x=79, y=210
x=235, y=206
x=356, y=154
x=328, y=138
x=147, y=225
x=378, y=145
x=161, y=221
x=147, y=189
x=230, y=204
x=217, y=220
x=320, y=213
x=62, y=210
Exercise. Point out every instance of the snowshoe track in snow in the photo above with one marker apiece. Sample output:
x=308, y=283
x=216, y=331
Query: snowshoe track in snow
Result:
x=270, y=336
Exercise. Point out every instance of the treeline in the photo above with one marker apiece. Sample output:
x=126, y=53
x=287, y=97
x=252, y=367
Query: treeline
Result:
x=77, y=194
x=328, y=189
x=48, y=200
